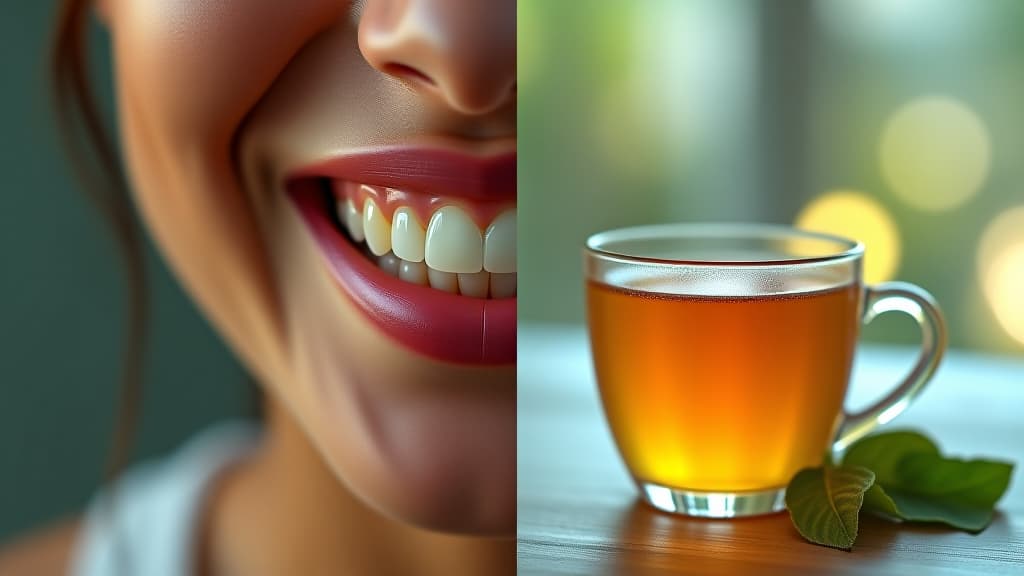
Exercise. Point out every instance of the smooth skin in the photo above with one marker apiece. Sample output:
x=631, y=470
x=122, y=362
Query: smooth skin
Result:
x=375, y=460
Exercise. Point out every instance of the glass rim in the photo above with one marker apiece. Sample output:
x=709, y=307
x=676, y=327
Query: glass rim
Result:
x=720, y=231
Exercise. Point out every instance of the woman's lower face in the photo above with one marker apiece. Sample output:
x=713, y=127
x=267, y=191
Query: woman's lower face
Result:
x=349, y=229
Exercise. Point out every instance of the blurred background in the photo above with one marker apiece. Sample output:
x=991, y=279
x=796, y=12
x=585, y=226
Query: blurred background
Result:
x=896, y=122
x=61, y=292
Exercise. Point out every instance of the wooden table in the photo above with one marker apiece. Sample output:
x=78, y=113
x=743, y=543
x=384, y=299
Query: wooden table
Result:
x=579, y=512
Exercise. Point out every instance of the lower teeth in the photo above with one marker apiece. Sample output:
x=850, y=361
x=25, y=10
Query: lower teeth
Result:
x=482, y=284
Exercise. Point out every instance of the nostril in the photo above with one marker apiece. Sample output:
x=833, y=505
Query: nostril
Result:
x=404, y=72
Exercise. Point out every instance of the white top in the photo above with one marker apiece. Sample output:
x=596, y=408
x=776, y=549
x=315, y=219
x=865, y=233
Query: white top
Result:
x=150, y=524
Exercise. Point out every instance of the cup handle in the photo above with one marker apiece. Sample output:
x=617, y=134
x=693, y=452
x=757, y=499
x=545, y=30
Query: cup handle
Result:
x=919, y=304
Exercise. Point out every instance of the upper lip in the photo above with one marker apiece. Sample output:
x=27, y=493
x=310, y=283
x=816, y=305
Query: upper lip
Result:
x=435, y=171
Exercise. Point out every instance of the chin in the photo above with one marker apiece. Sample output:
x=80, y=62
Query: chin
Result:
x=427, y=445
x=444, y=463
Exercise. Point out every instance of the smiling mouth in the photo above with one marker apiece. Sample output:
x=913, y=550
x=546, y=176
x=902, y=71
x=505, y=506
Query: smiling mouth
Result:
x=422, y=241
x=428, y=240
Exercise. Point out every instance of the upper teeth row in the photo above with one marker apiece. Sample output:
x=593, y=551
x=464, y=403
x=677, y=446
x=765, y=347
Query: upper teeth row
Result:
x=451, y=241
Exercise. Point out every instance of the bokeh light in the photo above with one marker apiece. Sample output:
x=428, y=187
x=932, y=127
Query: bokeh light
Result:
x=857, y=216
x=935, y=153
x=1003, y=284
x=1005, y=229
x=1001, y=270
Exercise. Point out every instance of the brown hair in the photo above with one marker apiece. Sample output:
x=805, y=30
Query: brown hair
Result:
x=90, y=147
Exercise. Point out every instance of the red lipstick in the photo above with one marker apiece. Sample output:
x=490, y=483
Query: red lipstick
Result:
x=439, y=325
x=430, y=171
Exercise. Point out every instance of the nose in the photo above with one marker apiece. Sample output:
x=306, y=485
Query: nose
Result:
x=462, y=52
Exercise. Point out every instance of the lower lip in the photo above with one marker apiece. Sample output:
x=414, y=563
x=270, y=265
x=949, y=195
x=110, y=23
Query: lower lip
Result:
x=437, y=324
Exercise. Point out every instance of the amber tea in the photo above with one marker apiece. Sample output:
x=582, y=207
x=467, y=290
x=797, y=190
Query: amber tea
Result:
x=716, y=393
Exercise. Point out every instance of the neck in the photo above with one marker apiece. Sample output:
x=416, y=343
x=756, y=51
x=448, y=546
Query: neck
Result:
x=284, y=512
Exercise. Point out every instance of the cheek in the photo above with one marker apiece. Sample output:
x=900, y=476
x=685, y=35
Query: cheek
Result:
x=187, y=74
x=195, y=64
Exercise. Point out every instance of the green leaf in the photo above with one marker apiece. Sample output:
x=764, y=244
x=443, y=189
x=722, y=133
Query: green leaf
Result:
x=914, y=482
x=968, y=482
x=882, y=453
x=878, y=502
x=824, y=503
x=899, y=475
x=899, y=506
x=916, y=508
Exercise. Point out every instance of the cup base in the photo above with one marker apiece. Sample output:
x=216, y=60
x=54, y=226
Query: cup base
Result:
x=713, y=504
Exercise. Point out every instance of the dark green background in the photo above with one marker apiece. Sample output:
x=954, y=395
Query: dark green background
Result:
x=61, y=295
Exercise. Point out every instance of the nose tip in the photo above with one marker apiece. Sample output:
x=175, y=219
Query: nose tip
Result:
x=461, y=52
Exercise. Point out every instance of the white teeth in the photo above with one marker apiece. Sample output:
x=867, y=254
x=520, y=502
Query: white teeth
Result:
x=350, y=217
x=454, y=243
x=407, y=235
x=414, y=272
x=500, y=244
x=376, y=228
x=503, y=285
x=389, y=263
x=451, y=255
x=443, y=280
x=474, y=285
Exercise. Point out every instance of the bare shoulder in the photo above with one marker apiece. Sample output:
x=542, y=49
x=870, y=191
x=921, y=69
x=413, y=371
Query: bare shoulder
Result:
x=46, y=552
